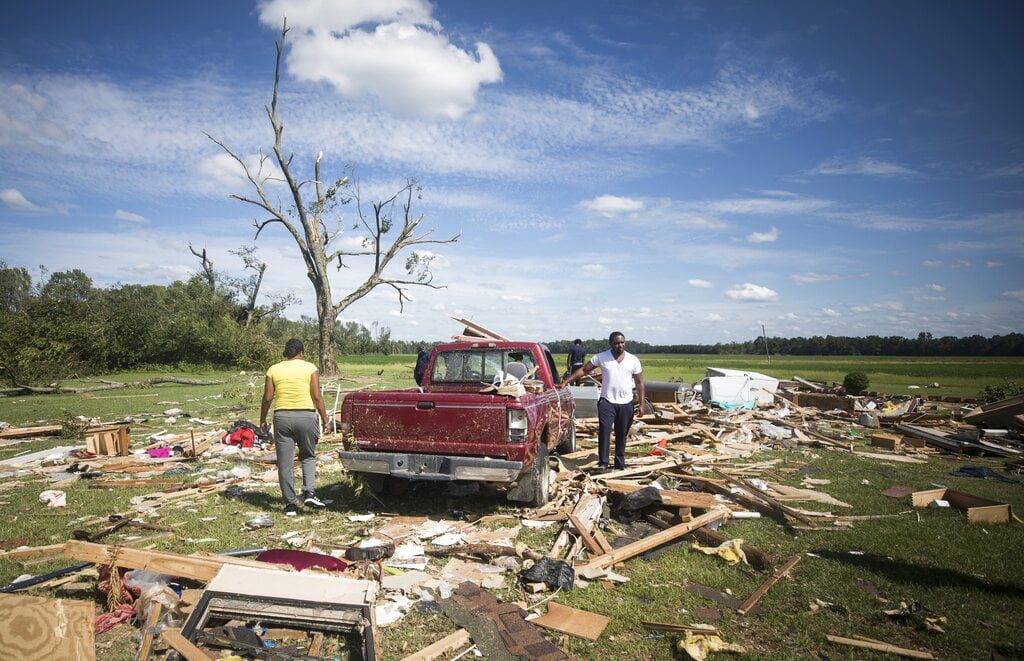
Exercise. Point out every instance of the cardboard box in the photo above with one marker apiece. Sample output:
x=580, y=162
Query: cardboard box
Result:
x=887, y=441
x=979, y=510
x=111, y=441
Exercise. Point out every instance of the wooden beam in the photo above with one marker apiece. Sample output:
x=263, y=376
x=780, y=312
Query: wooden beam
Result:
x=175, y=564
x=147, y=632
x=789, y=511
x=669, y=497
x=880, y=647
x=653, y=541
x=183, y=645
x=585, y=535
x=767, y=585
x=32, y=552
x=449, y=643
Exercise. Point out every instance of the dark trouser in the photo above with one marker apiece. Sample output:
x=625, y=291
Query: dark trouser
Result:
x=573, y=368
x=296, y=429
x=621, y=417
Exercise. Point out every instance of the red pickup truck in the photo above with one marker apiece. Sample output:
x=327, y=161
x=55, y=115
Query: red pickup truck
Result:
x=446, y=429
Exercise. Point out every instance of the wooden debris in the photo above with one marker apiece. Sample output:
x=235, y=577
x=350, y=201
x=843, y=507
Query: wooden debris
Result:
x=767, y=585
x=38, y=629
x=449, y=643
x=147, y=632
x=174, y=564
x=649, y=542
x=183, y=645
x=573, y=621
x=880, y=647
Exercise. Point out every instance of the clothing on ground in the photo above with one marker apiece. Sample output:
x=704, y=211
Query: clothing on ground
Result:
x=291, y=385
x=293, y=429
x=616, y=376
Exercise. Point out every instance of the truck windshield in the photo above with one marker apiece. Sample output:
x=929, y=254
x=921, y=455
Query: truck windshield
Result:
x=475, y=365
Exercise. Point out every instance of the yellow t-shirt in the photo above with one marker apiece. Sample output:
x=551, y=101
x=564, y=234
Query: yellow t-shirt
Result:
x=291, y=384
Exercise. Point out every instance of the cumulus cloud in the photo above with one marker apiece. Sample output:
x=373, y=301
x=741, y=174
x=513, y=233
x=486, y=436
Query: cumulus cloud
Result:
x=400, y=57
x=610, y=206
x=751, y=293
x=829, y=312
x=764, y=237
x=864, y=166
x=594, y=269
x=713, y=316
x=121, y=214
x=935, y=287
x=14, y=199
x=700, y=284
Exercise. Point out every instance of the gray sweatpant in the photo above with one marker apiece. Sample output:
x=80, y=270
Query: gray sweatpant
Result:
x=296, y=429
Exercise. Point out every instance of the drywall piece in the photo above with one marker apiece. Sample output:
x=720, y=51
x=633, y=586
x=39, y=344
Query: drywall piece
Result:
x=573, y=621
x=979, y=510
x=36, y=628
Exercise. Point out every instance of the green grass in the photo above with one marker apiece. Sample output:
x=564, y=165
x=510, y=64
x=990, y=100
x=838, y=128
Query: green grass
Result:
x=969, y=574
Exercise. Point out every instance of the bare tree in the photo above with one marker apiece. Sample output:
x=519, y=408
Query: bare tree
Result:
x=211, y=276
x=307, y=224
x=249, y=285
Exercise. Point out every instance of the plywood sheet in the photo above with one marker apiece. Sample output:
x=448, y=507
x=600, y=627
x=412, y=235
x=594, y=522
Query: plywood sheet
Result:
x=37, y=628
x=573, y=621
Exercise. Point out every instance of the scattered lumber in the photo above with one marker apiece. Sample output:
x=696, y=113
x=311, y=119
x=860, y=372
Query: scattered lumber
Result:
x=669, y=497
x=449, y=643
x=183, y=645
x=652, y=541
x=29, y=432
x=201, y=569
x=767, y=585
x=880, y=647
x=573, y=621
x=789, y=511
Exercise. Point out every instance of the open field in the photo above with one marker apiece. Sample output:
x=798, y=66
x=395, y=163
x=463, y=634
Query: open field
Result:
x=970, y=575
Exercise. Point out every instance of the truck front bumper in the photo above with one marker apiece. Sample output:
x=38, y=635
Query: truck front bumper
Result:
x=432, y=466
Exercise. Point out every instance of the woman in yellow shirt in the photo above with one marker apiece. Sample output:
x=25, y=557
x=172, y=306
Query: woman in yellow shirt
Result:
x=293, y=386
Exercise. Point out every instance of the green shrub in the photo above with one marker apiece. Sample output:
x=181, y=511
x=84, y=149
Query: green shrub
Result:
x=1002, y=391
x=855, y=383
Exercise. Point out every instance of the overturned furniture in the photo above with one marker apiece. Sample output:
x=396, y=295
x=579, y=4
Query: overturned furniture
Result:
x=315, y=602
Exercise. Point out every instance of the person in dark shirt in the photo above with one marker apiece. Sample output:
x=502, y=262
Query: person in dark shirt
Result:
x=422, y=358
x=574, y=360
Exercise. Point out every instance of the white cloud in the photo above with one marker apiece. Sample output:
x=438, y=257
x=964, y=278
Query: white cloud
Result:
x=751, y=293
x=935, y=287
x=700, y=284
x=612, y=205
x=516, y=298
x=932, y=263
x=1014, y=294
x=713, y=316
x=829, y=312
x=767, y=206
x=13, y=198
x=864, y=166
x=405, y=61
x=1015, y=170
x=594, y=269
x=121, y=214
x=811, y=277
x=993, y=264
x=764, y=237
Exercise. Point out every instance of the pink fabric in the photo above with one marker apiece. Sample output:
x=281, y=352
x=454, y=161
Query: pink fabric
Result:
x=159, y=453
x=107, y=621
x=302, y=559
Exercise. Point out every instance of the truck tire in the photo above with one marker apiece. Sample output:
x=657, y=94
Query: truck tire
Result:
x=541, y=481
x=568, y=444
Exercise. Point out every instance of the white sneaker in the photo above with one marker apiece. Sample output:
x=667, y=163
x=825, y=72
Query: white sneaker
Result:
x=316, y=503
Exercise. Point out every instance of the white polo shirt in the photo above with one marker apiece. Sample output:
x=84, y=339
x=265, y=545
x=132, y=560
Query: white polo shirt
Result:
x=617, y=377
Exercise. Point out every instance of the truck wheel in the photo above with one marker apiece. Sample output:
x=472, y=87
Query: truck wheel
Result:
x=568, y=444
x=541, y=481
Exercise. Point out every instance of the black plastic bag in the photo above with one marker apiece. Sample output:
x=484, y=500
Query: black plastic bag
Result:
x=551, y=572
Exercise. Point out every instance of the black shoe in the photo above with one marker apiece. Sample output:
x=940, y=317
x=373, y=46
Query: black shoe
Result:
x=370, y=553
x=291, y=509
x=310, y=500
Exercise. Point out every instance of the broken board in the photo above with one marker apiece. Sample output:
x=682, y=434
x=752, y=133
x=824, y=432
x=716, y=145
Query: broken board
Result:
x=979, y=510
x=573, y=621
x=44, y=629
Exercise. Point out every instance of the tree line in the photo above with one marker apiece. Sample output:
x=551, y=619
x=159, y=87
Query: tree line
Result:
x=62, y=325
x=1011, y=344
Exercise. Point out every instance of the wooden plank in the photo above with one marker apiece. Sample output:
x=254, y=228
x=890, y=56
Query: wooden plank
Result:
x=573, y=621
x=184, y=646
x=147, y=632
x=637, y=470
x=183, y=566
x=789, y=511
x=880, y=647
x=32, y=552
x=585, y=535
x=34, y=628
x=653, y=541
x=316, y=644
x=480, y=329
x=899, y=458
x=670, y=497
x=767, y=585
x=449, y=643
x=24, y=432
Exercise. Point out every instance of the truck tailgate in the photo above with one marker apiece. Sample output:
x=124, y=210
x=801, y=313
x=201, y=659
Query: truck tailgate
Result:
x=441, y=422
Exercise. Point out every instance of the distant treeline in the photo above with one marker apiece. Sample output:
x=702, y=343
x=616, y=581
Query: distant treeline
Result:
x=924, y=344
x=64, y=326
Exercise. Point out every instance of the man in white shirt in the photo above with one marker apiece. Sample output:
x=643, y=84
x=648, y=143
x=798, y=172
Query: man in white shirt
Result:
x=620, y=371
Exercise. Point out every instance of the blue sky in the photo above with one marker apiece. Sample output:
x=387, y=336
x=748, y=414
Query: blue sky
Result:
x=678, y=170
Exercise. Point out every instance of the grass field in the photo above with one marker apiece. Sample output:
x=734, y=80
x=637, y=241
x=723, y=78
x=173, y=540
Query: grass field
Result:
x=971, y=575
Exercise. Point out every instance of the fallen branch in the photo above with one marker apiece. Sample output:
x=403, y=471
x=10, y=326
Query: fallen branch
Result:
x=23, y=389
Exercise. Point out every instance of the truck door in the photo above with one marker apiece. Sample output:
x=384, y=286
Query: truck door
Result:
x=560, y=409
